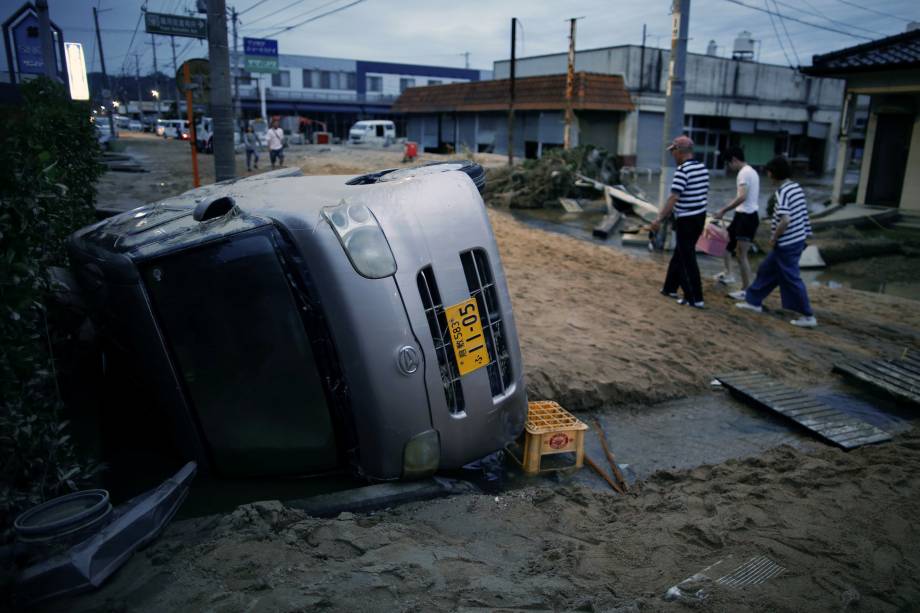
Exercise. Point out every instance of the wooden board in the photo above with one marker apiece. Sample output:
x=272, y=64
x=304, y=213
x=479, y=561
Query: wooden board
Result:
x=607, y=224
x=810, y=413
x=898, y=378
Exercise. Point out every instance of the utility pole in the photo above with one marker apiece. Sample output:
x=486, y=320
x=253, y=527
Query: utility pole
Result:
x=466, y=59
x=105, y=75
x=570, y=87
x=642, y=62
x=172, y=41
x=235, y=69
x=674, y=103
x=511, y=95
x=137, y=78
x=44, y=31
x=221, y=102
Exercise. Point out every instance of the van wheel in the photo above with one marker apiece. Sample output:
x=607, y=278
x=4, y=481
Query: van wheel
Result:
x=475, y=172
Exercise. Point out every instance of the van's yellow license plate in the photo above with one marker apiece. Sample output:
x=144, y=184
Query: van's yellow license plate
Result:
x=466, y=335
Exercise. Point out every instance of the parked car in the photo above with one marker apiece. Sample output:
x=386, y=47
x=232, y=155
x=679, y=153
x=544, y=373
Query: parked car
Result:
x=135, y=126
x=285, y=325
x=373, y=132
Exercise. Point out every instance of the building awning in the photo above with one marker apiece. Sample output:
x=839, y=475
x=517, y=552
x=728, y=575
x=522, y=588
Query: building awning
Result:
x=592, y=92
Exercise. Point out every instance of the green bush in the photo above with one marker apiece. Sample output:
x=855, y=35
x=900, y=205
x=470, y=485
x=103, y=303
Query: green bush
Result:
x=49, y=163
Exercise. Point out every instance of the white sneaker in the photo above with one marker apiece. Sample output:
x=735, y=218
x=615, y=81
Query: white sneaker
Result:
x=739, y=295
x=725, y=279
x=805, y=322
x=749, y=307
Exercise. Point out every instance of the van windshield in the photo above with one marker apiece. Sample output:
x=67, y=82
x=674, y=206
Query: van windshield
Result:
x=234, y=327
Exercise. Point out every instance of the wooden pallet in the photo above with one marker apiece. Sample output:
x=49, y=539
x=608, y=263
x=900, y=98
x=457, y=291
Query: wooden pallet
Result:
x=899, y=378
x=828, y=423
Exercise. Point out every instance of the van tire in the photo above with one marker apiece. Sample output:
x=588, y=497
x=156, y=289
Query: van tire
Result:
x=475, y=172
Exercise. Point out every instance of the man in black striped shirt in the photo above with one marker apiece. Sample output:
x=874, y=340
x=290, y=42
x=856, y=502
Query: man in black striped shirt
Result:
x=689, y=193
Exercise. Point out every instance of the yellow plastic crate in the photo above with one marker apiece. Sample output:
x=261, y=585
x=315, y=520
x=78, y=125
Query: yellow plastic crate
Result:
x=550, y=429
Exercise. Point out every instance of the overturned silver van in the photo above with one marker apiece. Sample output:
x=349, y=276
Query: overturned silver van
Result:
x=289, y=325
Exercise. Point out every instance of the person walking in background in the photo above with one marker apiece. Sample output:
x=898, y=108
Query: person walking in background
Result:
x=743, y=228
x=791, y=227
x=275, y=140
x=687, y=201
x=251, y=142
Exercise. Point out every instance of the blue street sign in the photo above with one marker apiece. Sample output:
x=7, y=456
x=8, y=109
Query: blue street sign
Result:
x=263, y=47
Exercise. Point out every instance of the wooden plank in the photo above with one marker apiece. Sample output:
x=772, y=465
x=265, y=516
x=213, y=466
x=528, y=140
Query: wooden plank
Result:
x=911, y=367
x=777, y=395
x=867, y=378
x=740, y=377
x=809, y=411
x=827, y=422
x=607, y=224
x=884, y=377
x=866, y=440
x=898, y=372
x=891, y=372
x=795, y=405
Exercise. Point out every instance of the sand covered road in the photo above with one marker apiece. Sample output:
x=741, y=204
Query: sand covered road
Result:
x=595, y=332
x=841, y=524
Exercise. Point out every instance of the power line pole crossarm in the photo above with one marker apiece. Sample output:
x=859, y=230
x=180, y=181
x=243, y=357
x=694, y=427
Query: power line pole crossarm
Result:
x=221, y=100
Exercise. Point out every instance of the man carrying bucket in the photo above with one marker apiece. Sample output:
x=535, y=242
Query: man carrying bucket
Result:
x=689, y=192
x=743, y=228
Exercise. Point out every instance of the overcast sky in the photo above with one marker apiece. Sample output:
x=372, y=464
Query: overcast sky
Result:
x=439, y=33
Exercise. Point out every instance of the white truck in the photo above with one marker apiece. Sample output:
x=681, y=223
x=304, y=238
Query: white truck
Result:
x=377, y=132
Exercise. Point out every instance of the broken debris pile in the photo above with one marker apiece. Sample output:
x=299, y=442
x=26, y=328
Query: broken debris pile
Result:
x=540, y=183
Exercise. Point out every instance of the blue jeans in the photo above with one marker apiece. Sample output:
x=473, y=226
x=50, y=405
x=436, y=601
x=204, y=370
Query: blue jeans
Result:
x=251, y=154
x=781, y=268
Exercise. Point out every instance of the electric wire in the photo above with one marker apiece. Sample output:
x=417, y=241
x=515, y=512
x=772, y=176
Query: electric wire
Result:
x=816, y=13
x=802, y=21
x=789, y=38
x=244, y=11
x=291, y=18
x=311, y=19
x=778, y=37
x=865, y=8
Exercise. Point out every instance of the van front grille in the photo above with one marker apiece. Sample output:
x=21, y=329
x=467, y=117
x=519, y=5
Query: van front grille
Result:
x=481, y=284
x=440, y=336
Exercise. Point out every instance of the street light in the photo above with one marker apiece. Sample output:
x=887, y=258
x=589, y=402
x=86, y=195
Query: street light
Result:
x=156, y=95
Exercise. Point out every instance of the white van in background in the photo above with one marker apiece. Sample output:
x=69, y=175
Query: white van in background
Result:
x=378, y=132
x=173, y=128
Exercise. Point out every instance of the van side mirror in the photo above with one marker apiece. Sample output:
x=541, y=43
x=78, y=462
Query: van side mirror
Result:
x=209, y=209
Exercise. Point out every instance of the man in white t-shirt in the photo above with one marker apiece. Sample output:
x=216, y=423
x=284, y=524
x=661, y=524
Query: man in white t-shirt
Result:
x=743, y=228
x=275, y=141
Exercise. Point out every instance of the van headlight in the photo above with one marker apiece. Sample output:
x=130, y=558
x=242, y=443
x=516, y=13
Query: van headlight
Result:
x=362, y=238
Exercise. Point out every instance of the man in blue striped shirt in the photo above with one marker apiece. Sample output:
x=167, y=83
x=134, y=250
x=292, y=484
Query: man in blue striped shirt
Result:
x=689, y=192
x=781, y=268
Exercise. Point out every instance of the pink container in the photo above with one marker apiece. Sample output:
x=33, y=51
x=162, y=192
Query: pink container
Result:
x=713, y=240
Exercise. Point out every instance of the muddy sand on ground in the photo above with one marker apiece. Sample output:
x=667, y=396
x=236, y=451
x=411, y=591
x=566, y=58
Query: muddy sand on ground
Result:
x=840, y=524
x=595, y=333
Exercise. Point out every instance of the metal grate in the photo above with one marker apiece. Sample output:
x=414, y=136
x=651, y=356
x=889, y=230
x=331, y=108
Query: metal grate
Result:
x=481, y=283
x=440, y=335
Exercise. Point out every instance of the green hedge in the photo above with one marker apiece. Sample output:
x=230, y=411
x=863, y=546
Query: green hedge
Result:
x=49, y=163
